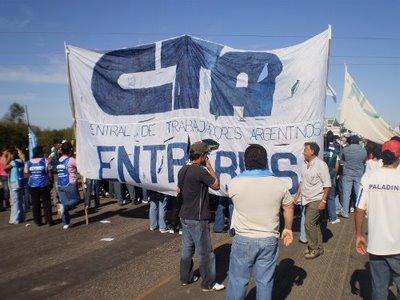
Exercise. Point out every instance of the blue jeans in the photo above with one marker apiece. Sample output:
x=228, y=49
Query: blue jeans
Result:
x=16, y=198
x=223, y=204
x=157, y=210
x=348, y=183
x=383, y=270
x=332, y=202
x=118, y=191
x=69, y=198
x=303, y=236
x=92, y=186
x=196, y=237
x=246, y=253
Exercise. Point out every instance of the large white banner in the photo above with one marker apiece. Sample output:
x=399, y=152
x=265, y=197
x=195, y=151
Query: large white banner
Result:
x=359, y=116
x=137, y=108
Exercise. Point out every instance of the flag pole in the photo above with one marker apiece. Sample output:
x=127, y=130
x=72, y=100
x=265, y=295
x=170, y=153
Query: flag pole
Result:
x=27, y=115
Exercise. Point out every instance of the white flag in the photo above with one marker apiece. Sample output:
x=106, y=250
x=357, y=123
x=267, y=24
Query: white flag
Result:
x=358, y=115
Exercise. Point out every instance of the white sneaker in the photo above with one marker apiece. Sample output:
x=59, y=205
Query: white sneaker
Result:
x=164, y=230
x=215, y=287
x=153, y=229
x=336, y=221
x=180, y=232
x=65, y=227
x=194, y=279
x=352, y=209
x=172, y=231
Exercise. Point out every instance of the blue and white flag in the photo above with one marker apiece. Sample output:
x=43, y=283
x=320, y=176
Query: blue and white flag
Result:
x=32, y=141
x=331, y=92
x=135, y=108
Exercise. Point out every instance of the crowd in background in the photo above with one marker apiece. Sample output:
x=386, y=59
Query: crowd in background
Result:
x=347, y=159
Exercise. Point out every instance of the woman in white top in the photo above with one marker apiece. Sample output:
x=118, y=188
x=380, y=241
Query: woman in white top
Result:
x=374, y=160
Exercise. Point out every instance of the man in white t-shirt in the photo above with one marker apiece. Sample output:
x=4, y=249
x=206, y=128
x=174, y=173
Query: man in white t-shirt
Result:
x=380, y=197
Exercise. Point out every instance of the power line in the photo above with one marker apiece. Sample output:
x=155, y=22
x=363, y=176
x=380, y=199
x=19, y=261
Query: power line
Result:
x=332, y=64
x=389, y=38
x=332, y=56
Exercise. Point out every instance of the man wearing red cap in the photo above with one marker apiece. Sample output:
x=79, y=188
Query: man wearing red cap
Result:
x=380, y=197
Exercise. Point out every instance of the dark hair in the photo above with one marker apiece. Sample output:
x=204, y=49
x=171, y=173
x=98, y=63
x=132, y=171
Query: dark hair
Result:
x=395, y=138
x=313, y=146
x=354, y=139
x=374, y=149
x=193, y=155
x=388, y=157
x=66, y=148
x=330, y=137
x=37, y=152
x=14, y=155
x=56, y=141
x=256, y=157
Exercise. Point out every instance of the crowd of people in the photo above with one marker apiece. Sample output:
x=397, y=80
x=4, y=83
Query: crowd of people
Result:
x=259, y=200
x=352, y=174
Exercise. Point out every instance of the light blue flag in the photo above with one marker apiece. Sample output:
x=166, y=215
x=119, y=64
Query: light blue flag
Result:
x=32, y=141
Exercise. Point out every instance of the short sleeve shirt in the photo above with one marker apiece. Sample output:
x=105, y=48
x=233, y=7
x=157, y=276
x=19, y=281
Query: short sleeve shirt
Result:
x=380, y=197
x=354, y=157
x=194, y=181
x=257, y=202
x=314, y=178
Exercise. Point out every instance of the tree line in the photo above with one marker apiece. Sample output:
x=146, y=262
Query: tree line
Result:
x=14, y=130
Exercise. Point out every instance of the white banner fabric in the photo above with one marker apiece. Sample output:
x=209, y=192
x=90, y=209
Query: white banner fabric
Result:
x=137, y=108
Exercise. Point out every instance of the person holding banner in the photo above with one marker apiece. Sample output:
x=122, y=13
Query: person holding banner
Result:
x=158, y=203
x=67, y=186
x=194, y=179
x=379, y=197
x=40, y=181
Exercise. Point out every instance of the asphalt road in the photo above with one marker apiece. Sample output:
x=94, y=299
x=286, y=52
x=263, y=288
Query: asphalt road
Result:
x=52, y=263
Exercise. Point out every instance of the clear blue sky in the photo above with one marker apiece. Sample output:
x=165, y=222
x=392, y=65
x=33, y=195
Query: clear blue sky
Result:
x=32, y=35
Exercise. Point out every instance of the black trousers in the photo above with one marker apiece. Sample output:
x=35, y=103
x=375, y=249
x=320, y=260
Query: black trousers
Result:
x=176, y=208
x=41, y=196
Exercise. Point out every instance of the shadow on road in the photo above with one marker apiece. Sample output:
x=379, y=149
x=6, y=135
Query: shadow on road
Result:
x=287, y=275
x=360, y=283
x=222, y=254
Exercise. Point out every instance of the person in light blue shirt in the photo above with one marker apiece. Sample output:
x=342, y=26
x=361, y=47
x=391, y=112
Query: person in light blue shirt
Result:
x=16, y=181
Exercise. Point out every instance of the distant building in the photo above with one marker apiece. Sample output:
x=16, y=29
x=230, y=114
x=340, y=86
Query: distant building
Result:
x=333, y=125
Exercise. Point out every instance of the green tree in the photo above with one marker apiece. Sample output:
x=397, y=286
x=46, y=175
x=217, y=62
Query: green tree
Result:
x=15, y=114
